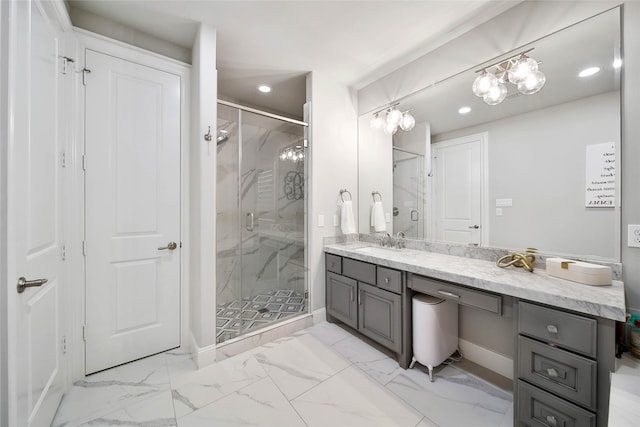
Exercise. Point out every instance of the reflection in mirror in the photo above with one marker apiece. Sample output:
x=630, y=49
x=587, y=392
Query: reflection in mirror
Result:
x=511, y=175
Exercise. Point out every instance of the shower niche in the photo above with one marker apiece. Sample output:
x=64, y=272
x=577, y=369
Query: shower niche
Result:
x=261, y=200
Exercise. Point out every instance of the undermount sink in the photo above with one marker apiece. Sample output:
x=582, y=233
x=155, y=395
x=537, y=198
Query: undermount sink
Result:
x=379, y=250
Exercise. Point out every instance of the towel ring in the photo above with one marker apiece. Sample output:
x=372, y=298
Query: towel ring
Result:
x=374, y=194
x=342, y=195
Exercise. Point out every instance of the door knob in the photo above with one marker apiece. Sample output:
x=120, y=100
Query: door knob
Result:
x=24, y=283
x=171, y=246
x=475, y=227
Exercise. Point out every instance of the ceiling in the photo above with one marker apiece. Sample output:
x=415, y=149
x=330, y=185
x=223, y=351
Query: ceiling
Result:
x=279, y=42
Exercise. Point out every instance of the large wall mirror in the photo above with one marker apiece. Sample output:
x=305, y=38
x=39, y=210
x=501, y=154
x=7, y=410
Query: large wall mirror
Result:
x=535, y=170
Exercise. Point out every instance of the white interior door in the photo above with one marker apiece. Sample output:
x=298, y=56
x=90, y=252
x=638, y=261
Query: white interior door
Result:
x=36, y=367
x=458, y=189
x=132, y=186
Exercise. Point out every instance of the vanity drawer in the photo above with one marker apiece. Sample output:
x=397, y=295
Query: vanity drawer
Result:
x=460, y=294
x=334, y=263
x=389, y=279
x=539, y=408
x=359, y=270
x=567, y=330
x=566, y=374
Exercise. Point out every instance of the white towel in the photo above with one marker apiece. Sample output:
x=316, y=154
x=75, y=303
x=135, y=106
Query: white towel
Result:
x=377, y=217
x=347, y=223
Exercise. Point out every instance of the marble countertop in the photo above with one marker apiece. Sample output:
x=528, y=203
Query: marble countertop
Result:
x=625, y=392
x=603, y=301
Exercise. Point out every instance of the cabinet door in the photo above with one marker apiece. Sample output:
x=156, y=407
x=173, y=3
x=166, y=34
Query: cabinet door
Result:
x=341, y=299
x=379, y=316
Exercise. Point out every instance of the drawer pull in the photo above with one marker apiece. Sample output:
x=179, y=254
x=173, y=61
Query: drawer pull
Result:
x=448, y=294
x=552, y=329
x=351, y=294
x=552, y=373
x=387, y=280
x=551, y=420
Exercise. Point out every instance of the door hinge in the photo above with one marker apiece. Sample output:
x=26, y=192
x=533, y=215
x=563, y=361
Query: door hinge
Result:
x=306, y=294
x=84, y=162
x=64, y=344
x=84, y=332
x=65, y=64
x=63, y=159
x=84, y=248
x=63, y=252
x=85, y=71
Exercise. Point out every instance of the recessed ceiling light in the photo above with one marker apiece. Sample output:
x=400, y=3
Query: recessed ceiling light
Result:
x=617, y=63
x=589, y=71
x=464, y=110
x=264, y=88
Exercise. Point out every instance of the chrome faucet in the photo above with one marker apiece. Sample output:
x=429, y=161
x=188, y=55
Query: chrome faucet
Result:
x=386, y=240
x=400, y=240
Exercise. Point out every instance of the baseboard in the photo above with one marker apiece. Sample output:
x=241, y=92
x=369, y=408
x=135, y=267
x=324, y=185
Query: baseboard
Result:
x=202, y=356
x=491, y=360
x=319, y=315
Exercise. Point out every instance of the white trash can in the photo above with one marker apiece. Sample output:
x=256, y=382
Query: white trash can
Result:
x=435, y=330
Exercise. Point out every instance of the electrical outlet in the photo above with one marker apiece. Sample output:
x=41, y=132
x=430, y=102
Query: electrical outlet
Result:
x=633, y=238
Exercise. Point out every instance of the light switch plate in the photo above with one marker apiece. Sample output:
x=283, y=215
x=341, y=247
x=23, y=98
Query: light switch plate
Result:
x=498, y=211
x=633, y=239
x=320, y=220
x=335, y=221
x=504, y=202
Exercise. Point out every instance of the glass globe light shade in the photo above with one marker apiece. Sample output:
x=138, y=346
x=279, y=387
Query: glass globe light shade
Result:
x=523, y=67
x=390, y=128
x=289, y=154
x=483, y=83
x=300, y=155
x=377, y=122
x=283, y=155
x=393, y=117
x=407, y=122
x=496, y=95
x=532, y=84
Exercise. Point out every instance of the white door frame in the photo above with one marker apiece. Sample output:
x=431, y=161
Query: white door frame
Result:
x=89, y=40
x=484, y=184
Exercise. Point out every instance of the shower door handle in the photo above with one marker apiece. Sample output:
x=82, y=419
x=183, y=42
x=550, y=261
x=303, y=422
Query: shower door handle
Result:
x=249, y=221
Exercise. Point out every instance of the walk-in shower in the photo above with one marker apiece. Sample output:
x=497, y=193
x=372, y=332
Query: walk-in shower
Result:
x=261, y=220
x=408, y=193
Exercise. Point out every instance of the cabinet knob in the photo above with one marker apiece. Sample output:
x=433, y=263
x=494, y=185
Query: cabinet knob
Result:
x=552, y=373
x=551, y=420
x=552, y=329
x=387, y=280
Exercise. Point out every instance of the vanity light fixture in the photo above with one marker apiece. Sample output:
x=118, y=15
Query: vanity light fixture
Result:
x=390, y=119
x=293, y=153
x=520, y=70
x=589, y=72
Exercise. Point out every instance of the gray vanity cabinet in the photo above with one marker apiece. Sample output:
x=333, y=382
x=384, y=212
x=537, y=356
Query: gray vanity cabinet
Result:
x=562, y=367
x=367, y=298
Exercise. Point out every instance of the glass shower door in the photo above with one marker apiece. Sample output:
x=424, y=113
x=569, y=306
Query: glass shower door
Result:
x=272, y=211
x=261, y=227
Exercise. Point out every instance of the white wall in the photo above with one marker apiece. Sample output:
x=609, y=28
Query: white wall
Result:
x=539, y=162
x=631, y=150
x=4, y=68
x=117, y=31
x=334, y=151
x=201, y=240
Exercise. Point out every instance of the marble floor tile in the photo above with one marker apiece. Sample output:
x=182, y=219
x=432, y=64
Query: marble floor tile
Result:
x=193, y=389
x=328, y=333
x=155, y=411
x=259, y=404
x=298, y=364
x=372, y=361
x=113, y=389
x=351, y=398
x=454, y=398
